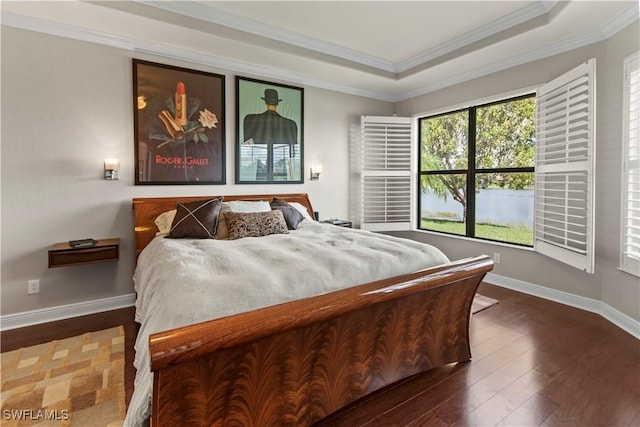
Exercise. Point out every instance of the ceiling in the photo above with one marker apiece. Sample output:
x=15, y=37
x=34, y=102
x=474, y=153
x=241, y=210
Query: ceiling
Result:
x=390, y=50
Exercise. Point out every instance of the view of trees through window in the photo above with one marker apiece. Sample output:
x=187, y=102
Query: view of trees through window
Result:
x=477, y=171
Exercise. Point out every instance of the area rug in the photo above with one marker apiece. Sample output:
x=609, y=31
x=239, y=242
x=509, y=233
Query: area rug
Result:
x=77, y=381
x=480, y=302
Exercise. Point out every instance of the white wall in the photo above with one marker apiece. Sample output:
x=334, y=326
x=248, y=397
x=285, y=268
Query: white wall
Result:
x=609, y=285
x=66, y=105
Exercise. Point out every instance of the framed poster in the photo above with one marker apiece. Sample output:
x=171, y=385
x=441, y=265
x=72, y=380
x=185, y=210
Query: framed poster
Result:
x=269, y=132
x=178, y=125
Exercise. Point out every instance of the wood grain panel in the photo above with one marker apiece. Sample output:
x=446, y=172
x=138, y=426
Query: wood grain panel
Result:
x=554, y=334
x=295, y=363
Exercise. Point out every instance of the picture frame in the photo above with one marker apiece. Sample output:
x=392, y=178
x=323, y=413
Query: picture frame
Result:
x=179, y=125
x=269, y=132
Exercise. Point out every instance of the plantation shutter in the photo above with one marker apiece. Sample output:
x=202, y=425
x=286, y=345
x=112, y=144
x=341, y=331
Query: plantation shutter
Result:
x=386, y=190
x=631, y=167
x=565, y=157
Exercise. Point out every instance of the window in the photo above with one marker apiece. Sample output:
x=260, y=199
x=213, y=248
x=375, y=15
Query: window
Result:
x=385, y=183
x=565, y=167
x=521, y=171
x=477, y=178
x=474, y=162
x=630, y=261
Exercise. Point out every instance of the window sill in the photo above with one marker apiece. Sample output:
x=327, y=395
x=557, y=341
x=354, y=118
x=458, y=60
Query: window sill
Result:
x=471, y=239
x=628, y=271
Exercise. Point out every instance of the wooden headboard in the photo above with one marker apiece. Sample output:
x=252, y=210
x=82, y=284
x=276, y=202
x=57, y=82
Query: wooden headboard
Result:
x=147, y=209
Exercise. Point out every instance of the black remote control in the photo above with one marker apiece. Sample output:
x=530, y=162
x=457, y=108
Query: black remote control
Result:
x=82, y=243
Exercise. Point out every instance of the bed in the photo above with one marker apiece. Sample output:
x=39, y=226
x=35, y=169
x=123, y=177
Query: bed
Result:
x=286, y=329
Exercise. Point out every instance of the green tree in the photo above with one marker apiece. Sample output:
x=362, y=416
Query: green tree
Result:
x=505, y=138
x=444, y=147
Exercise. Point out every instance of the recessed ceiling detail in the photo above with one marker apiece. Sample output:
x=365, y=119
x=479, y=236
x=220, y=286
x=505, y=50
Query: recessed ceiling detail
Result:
x=388, y=50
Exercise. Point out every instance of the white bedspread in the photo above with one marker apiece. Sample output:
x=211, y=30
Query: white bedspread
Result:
x=185, y=281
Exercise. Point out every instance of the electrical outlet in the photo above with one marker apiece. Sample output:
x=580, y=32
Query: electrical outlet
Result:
x=33, y=287
x=496, y=257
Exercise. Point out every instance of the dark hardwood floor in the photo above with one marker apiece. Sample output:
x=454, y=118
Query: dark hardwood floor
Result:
x=535, y=363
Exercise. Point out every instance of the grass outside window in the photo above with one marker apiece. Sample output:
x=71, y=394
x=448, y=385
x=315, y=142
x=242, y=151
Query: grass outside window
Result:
x=511, y=234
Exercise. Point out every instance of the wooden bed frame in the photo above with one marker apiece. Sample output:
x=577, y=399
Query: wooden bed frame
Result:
x=295, y=363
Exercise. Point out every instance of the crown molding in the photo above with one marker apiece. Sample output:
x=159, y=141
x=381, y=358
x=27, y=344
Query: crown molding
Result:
x=65, y=30
x=514, y=19
x=141, y=46
x=621, y=21
x=257, y=70
x=221, y=17
x=613, y=27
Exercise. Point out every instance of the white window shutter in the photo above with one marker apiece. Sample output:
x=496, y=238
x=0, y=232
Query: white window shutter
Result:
x=565, y=158
x=630, y=261
x=386, y=185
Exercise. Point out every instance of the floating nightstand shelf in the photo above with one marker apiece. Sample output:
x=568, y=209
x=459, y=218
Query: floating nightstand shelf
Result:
x=63, y=254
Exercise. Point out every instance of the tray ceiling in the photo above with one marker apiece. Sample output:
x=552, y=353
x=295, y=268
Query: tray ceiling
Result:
x=389, y=50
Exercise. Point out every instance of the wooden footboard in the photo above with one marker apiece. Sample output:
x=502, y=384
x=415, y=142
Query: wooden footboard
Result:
x=295, y=363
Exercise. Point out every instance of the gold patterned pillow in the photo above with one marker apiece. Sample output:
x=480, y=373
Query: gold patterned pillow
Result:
x=255, y=224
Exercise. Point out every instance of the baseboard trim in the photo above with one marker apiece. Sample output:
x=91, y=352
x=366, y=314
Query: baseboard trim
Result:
x=51, y=314
x=614, y=316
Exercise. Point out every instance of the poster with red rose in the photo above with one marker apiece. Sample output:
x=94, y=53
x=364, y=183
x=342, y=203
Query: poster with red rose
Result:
x=178, y=125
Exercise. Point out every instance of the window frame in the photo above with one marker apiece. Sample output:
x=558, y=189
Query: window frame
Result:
x=565, y=161
x=628, y=264
x=386, y=162
x=470, y=172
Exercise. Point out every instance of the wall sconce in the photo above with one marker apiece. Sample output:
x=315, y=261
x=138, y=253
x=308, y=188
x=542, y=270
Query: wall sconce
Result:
x=142, y=102
x=316, y=170
x=111, y=166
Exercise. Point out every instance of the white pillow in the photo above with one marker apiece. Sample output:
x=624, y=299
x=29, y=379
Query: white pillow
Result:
x=302, y=209
x=164, y=221
x=248, y=206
